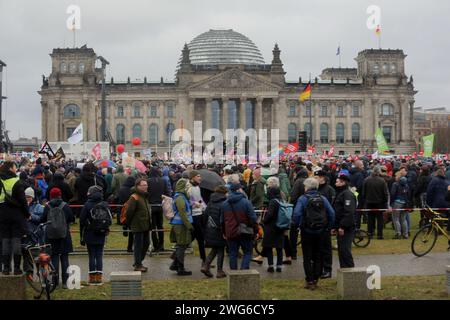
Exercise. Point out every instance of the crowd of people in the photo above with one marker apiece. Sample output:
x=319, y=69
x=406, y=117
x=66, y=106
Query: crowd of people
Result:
x=323, y=196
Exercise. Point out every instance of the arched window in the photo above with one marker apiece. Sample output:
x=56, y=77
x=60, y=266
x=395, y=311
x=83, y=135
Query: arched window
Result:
x=153, y=134
x=393, y=68
x=376, y=68
x=324, y=133
x=385, y=68
x=72, y=67
x=81, y=67
x=387, y=109
x=120, y=134
x=169, y=129
x=340, y=133
x=136, y=131
x=308, y=129
x=292, y=132
x=356, y=131
x=63, y=67
x=72, y=111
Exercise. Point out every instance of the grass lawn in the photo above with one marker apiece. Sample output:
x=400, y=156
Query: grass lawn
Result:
x=387, y=246
x=392, y=288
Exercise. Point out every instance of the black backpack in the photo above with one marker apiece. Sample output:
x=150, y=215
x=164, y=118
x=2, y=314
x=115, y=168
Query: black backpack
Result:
x=57, y=229
x=315, y=216
x=101, y=218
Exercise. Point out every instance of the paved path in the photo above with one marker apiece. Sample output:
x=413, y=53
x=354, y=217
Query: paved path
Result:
x=391, y=265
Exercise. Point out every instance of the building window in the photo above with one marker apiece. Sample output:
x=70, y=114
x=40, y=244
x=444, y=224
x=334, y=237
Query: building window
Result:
x=387, y=109
x=248, y=115
x=387, y=133
x=308, y=129
x=393, y=68
x=232, y=114
x=136, y=133
x=340, y=111
x=355, y=111
x=308, y=110
x=136, y=111
x=120, y=112
x=323, y=111
x=169, y=111
x=72, y=111
x=72, y=67
x=63, y=67
x=385, y=68
x=376, y=68
x=153, y=134
x=169, y=129
x=356, y=131
x=120, y=134
x=81, y=67
x=292, y=111
x=340, y=133
x=69, y=132
x=292, y=132
x=324, y=133
x=153, y=112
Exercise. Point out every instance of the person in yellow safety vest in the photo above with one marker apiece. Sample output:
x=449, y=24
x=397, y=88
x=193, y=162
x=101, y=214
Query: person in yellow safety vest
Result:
x=13, y=216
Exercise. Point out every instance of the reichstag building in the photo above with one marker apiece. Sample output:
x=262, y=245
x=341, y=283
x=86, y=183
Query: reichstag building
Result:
x=223, y=80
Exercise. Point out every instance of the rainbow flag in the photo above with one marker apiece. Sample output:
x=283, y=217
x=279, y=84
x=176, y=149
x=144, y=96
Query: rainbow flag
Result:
x=306, y=93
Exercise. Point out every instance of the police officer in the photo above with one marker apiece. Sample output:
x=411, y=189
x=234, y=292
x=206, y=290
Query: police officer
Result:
x=344, y=227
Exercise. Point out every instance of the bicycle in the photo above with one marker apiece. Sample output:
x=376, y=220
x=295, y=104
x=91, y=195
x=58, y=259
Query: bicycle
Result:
x=43, y=277
x=361, y=238
x=428, y=234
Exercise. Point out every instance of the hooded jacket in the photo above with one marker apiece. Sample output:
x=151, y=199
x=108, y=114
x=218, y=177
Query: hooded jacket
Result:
x=58, y=182
x=89, y=236
x=119, y=179
x=235, y=210
x=139, y=213
x=181, y=233
x=84, y=182
x=213, y=229
x=436, y=192
x=345, y=209
x=300, y=208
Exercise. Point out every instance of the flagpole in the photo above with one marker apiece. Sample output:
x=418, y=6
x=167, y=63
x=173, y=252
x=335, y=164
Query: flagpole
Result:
x=339, y=56
x=310, y=114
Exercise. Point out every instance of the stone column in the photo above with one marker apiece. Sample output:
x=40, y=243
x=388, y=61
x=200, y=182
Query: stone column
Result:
x=224, y=114
x=348, y=126
x=370, y=135
x=316, y=122
x=208, y=114
x=162, y=122
x=242, y=119
x=258, y=113
x=111, y=124
x=56, y=109
x=144, y=114
x=85, y=119
x=411, y=120
x=333, y=122
x=128, y=124
x=188, y=123
x=44, y=120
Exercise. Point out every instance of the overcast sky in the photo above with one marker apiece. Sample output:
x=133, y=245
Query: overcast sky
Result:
x=144, y=38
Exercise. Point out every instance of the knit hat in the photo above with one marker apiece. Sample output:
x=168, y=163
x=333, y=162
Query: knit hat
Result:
x=193, y=174
x=29, y=192
x=55, y=193
x=235, y=187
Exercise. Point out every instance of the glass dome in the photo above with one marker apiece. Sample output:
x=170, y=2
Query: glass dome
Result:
x=223, y=47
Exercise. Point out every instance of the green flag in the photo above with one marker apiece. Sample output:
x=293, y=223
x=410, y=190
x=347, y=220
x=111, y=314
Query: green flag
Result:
x=381, y=141
x=428, y=142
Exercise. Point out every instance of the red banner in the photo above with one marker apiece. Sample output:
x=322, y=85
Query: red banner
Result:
x=291, y=148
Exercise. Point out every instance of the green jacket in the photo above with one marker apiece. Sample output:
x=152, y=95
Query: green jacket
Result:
x=257, y=193
x=285, y=185
x=117, y=181
x=181, y=234
x=139, y=213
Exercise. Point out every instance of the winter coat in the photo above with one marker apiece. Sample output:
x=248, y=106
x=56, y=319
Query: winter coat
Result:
x=273, y=236
x=58, y=182
x=235, y=210
x=181, y=234
x=84, y=182
x=357, y=177
x=166, y=178
x=300, y=207
x=345, y=208
x=375, y=191
x=257, y=192
x=436, y=192
x=118, y=180
x=298, y=188
x=139, y=213
x=89, y=236
x=108, y=180
x=285, y=185
x=60, y=246
x=400, y=194
x=422, y=184
x=36, y=211
x=327, y=191
x=125, y=191
x=214, y=234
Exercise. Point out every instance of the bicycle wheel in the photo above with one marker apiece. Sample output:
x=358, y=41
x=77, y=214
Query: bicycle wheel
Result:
x=47, y=287
x=34, y=280
x=52, y=278
x=424, y=240
x=361, y=239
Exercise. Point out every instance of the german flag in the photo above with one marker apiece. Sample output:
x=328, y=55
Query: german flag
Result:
x=306, y=93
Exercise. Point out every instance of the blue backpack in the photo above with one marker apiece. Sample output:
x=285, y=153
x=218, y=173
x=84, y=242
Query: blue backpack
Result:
x=284, y=215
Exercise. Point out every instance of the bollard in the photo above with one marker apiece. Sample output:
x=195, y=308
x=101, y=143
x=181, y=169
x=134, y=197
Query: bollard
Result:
x=126, y=285
x=243, y=285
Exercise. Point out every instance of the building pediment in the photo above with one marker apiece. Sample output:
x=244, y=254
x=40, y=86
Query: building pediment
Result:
x=234, y=80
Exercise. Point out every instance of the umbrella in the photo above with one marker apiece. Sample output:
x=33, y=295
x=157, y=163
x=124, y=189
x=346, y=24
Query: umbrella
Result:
x=105, y=164
x=210, y=179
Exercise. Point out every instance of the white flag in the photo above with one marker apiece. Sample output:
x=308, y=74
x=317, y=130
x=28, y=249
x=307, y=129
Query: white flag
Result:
x=77, y=135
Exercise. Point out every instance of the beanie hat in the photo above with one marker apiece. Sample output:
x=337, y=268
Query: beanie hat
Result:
x=235, y=187
x=55, y=193
x=193, y=174
x=29, y=192
x=94, y=189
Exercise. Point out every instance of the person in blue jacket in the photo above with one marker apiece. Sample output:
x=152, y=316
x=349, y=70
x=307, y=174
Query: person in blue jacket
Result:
x=312, y=205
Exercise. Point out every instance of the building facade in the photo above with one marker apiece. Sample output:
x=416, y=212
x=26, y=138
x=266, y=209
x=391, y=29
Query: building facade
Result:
x=432, y=121
x=222, y=80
